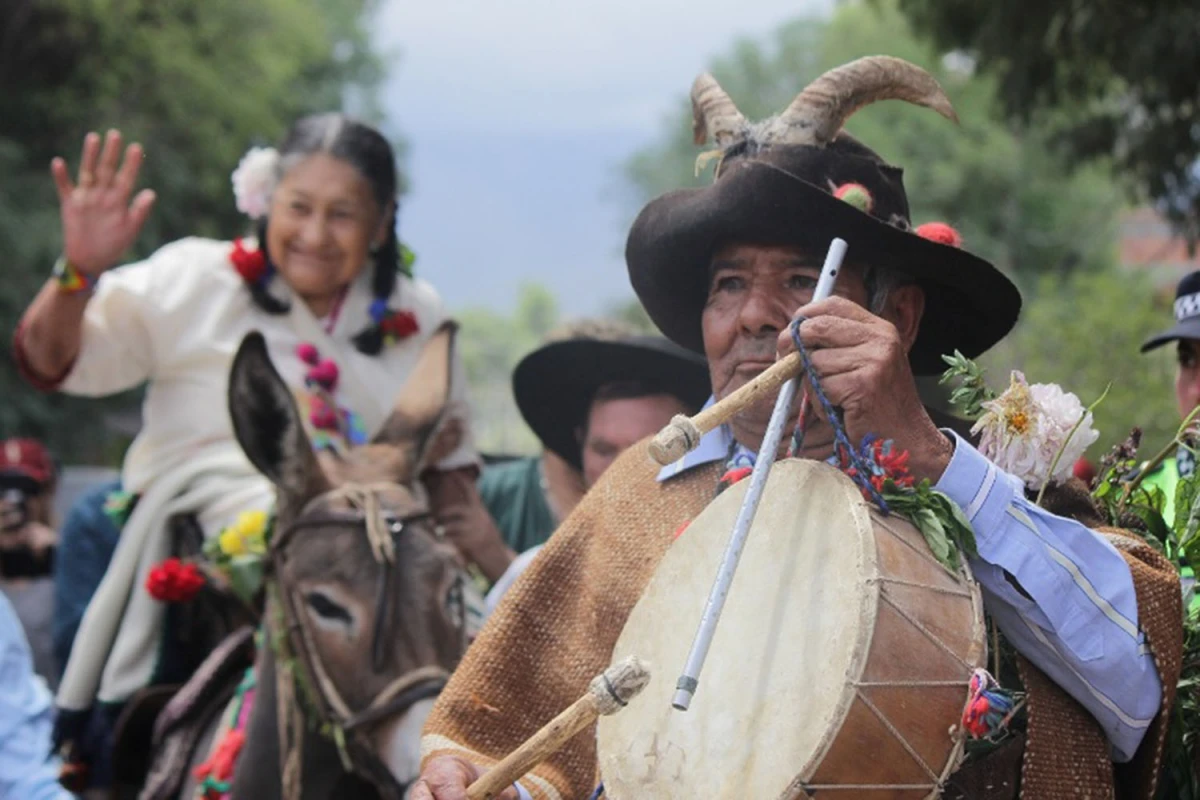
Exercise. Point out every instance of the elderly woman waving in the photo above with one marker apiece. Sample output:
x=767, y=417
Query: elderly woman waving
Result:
x=325, y=282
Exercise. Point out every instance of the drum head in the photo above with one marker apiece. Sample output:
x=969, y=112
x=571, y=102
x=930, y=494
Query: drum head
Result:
x=791, y=640
x=840, y=664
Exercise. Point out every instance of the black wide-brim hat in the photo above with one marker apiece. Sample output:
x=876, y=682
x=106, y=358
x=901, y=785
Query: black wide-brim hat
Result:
x=1187, y=314
x=774, y=193
x=554, y=385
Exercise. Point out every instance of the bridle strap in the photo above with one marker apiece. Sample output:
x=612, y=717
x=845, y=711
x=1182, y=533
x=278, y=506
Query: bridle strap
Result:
x=400, y=695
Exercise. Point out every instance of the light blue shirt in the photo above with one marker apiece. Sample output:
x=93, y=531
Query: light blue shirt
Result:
x=1080, y=627
x=27, y=771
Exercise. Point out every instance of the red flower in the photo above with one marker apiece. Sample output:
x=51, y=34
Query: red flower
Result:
x=173, y=581
x=221, y=763
x=250, y=264
x=400, y=324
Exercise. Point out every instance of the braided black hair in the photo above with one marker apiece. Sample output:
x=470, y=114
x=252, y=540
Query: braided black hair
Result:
x=369, y=152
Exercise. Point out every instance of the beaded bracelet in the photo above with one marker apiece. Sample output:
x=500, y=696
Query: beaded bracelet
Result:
x=69, y=279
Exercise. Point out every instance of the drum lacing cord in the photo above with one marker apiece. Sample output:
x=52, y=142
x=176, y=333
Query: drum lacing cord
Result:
x=862, y=471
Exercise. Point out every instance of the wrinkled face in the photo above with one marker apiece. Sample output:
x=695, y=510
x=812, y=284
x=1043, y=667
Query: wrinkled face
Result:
x=322, y=225
x=615, y=425
x=754, y=291
x=1187, y=376
x=345, y=595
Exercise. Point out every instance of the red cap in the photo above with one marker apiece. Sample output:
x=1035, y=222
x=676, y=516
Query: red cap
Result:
x=26, y=457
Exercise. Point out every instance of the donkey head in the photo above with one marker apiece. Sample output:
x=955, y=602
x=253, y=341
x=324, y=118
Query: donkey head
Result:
x=370, y=596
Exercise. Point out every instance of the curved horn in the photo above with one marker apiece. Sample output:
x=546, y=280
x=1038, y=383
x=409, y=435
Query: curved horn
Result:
x=820, y=111
x=713, y=112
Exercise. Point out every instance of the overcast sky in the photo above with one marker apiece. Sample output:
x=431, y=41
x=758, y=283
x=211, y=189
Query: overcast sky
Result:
x=519, y=114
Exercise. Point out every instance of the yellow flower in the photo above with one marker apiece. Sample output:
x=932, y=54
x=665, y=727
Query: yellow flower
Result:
x=246, y=535
x=232, y=542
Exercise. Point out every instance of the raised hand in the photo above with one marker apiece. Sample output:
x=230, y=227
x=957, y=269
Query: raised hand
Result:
x=99, y=221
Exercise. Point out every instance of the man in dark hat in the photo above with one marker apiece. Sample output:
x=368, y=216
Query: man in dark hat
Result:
x=590, y=392
x=1186, y=335
x=724, y=270
x=592, y=389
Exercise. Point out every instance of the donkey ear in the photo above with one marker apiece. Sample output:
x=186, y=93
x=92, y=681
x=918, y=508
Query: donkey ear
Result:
x=422, y=402
x=268, y=426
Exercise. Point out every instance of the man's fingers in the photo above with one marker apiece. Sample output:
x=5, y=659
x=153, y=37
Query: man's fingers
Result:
x=836, y=361
x=836, y=306
x=108, y=159
x=830, y=331
x=62, y=179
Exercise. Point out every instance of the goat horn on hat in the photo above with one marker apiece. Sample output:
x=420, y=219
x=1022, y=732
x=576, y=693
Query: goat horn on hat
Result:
x=714, y=113
x=818, y=113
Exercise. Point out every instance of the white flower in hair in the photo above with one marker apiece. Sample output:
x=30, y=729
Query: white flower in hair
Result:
x=1023, y=430
x=254, y=181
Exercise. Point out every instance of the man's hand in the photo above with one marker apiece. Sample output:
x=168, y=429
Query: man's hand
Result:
x=863, y=367
x=447, y=778
x=466, y=523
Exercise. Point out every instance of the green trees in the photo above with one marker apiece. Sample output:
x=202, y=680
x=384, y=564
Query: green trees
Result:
x=196, y=83
x=1110, y=77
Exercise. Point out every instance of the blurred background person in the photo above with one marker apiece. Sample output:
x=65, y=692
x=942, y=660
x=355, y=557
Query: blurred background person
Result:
x=28, y=545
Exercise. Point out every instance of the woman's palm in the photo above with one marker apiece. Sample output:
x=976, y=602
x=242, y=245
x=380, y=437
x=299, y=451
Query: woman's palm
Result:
x=99, y=222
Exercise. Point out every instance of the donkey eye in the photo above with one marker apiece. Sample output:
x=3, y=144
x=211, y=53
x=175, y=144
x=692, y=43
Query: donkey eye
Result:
x=326, y=608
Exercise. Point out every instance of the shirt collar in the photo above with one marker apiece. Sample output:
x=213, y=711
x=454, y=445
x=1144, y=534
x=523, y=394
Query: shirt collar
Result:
x=714, y=446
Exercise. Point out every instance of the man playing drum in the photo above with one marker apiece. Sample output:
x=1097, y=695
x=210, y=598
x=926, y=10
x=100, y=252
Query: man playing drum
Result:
x=723, y=270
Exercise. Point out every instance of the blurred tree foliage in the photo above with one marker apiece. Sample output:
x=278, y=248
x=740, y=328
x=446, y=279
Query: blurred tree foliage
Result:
x=1112, y=78
x=1009, y=190
x=197, y=84
x=491, y=344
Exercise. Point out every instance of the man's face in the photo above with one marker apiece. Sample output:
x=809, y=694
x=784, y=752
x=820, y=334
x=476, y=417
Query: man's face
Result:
x=615, y=425
x=1187, y=376
x=753, y=293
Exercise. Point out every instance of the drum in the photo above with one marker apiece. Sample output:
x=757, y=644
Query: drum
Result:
x=840, y=666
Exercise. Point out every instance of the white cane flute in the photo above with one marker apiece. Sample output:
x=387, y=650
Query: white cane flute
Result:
x=685, y=688
x=608, y=693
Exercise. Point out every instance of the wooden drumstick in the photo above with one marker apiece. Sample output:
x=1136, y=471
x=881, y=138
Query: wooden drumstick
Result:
x=682, y=434
x=608, y=693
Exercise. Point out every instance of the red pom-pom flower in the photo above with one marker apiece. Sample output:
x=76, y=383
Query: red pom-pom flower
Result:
x=250, y=264
x=941, y=233
x=400, y=324
x=173, y=581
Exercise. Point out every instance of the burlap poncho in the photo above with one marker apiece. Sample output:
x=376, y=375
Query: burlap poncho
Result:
x=557, y=627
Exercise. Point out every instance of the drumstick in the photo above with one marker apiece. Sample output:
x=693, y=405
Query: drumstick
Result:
x=608, y=693
x=682, y=434
x=685, y=687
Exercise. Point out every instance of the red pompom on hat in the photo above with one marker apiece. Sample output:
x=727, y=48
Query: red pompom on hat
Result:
x=941, y=233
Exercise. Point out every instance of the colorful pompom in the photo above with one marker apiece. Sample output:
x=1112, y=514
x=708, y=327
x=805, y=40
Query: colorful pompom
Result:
x=378, y=310
x=307, y=352
x=400, y=324
x=322, y=416
x=941, y=233
x=325, y=374
x=250, y=264
x=856, y=195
